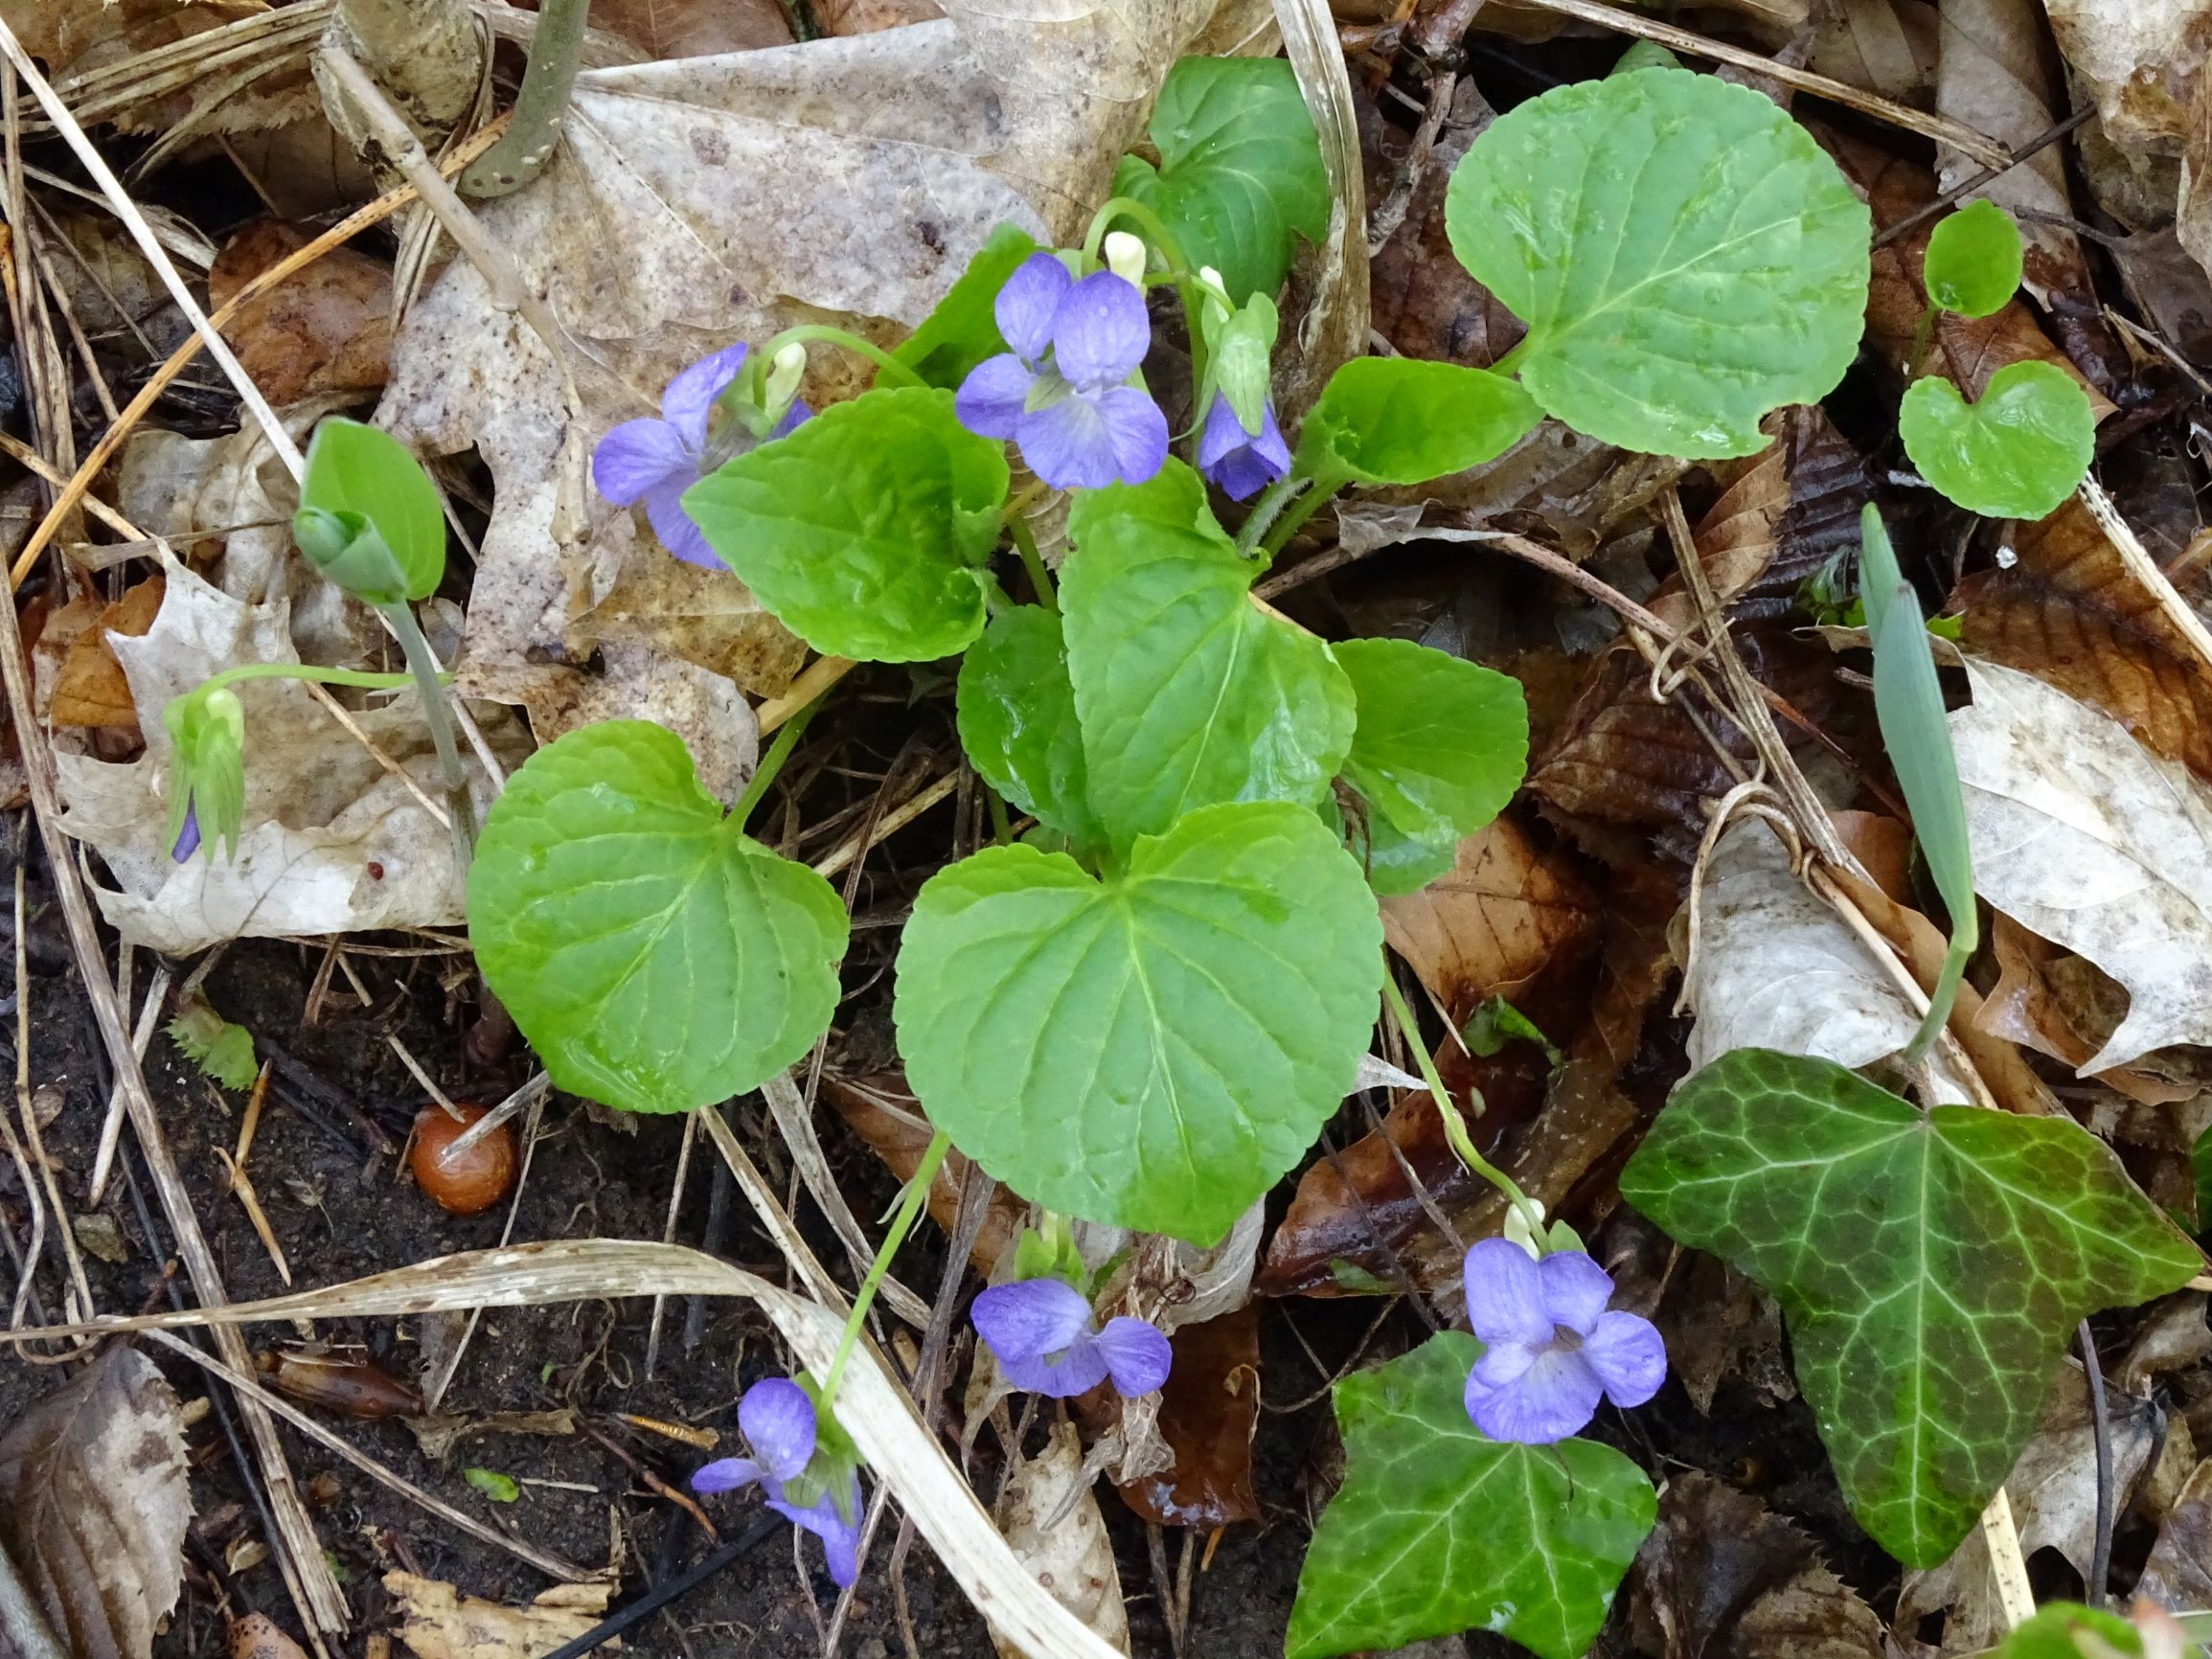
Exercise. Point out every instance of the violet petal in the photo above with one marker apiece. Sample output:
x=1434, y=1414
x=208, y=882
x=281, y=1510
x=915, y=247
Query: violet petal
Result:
x=685, y=404
x=187, y=837
x=1066, y=444
x=638, y=456
x=1039, y=1331
x=1027, y=301
x=990, y=400
x=1627, y=1358
x=1505, y=1294
x=726, y=1475
x=778, y=1423
x=1222, y=434
x=1552, y=1399
x=664, y=510
x=1575, y=1290
x=1504, y=1362
x=840, y=1538
x=1136, y=432
x=1136, y=1353
x=795, y=417
x=1101, y=332
x=1244, y=472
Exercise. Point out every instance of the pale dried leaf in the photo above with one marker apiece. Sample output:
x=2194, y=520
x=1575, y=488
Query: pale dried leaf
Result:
x=707, y=616
x=256, y=1636
x=2089, y=839
x=1885, y=46
x=695, y=28
x=441, y=1623
x=2179, y=1575
x=1775, y=968
x=2140, y=59
x=94, y=1506
x=1052, y=1522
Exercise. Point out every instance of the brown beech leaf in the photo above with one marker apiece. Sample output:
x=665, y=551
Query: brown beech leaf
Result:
x=2045, y=999
x=256, y=1636
x=1884, y=46
x=89, y=689
x=878, y=1108
x=2069, y=612
x=1783, y=514
x=867, y=16
x=94, y=1506
x=706, y=617
x=1208, y=1412
x=694, y=27
x=1722, y=1577
x=440, y=1622
x=1505, y=911
x=328, y=329
x=2179, y=1575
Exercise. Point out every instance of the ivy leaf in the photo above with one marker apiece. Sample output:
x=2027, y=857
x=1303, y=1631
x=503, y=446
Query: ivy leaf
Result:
x=1973, y=264
x=1017, y=722
x=656, y=956
x=1405, y=421
x=1932, y=1267
x=1437, y=1530
x=962, y=331
x=1240, y=169
x=1441, y=743
x=1685, y=257
x=1189, y=695
x=865, y=530
x=2017, y=452
x=1154, y=1050
x=362, y=470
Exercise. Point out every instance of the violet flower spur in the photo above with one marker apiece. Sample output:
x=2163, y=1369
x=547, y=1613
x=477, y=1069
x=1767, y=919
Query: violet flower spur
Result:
x=657, y=460
x=1059, y=394
x=1242, y=462
x=1550, y=1348
x=779, y=1423
x=1042, y=1333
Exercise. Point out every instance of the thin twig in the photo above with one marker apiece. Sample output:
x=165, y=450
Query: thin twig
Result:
x=2145, y=569
x=1967, y=186
x=2101, y=1429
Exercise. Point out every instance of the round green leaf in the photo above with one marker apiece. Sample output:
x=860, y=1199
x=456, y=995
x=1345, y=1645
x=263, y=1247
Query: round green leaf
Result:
x=866, y=529
x=2018, y=453
x=1406, y=421
x=1973, y=265
x=1441, y=743
x=1396, y=863
x=1188, y=693
x=656, y=956
x=1686, y=257
x=1437, y=1529
x=357, y=469
x=1152, y=1051
x=1016, y=713
x=1239, y=171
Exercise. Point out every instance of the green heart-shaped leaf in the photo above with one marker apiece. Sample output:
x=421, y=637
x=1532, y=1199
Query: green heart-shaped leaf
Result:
x=1017, y=721
x=1240, y=169
x=1397, y=864
x=1189, y=695
x=1441, y=743
x=963, y=330
x=1973, y=264
x=357, y=469
x=1154, y=1050
x=865, y=530
x=1437, y=1529
x=1403, y=421
x=656, y=956
x=2017, y=452
x=1686, y=257
x=1932, y=1267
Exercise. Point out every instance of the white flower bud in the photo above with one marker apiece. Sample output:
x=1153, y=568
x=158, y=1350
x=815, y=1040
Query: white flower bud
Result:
x=783, y=371
x=1126, y=257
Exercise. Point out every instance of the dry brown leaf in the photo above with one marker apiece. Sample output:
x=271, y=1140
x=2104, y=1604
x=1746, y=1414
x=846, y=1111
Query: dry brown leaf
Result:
x=694, y=27
x=1722, y=1576
x=327, y=329
x=2174, y=1337
x=706, y=617
x=1884, y=46
x=2179, y=1575
x=1718, y=1324
x=1050, y=1515
x=868, y=16
x=441, y=1622
x=878, y=1108
x=2029, y=1005
x=1505, y=912
x=1783, y=515
x=89, y=688
x=2169, y=288
x=1208, y=1412
x=256, y=1636
x=2053, y=1489
x=2140, y=59
x=94, y=1506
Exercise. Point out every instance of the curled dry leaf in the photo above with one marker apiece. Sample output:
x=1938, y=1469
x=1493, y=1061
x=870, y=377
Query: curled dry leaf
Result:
x=438, y=1622
x=867, y=16
x=94, y=1506
x=2140, y=59
x=2040, y=1001
x=1050, y=1515
x=1782, y=515
x=2053, y=1490
x=88, y=687
x=1208, y=1412
x=331, y=842
x=2089, y=840
x=1722, y=1577
x=1774, y=967
x=327, y=329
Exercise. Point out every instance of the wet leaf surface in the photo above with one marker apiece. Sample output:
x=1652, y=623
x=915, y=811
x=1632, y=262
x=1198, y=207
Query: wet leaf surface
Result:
x=1208, y=1412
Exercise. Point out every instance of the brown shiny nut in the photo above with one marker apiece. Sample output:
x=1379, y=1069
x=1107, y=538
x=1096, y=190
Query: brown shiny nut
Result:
x=475, y=1180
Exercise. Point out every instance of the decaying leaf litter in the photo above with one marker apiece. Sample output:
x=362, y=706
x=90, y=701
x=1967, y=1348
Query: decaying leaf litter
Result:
x=1660, y=893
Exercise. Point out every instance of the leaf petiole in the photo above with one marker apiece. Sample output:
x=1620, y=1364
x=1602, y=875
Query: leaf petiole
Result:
x=831, y=335
x=430, y=680
x=910, y=1204
x=772, y=763
x=1033, y=562
x=360, y=678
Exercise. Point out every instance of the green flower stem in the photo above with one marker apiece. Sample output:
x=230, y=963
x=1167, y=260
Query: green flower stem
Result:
x=828, y=334
x=1323, y=492
x=1033, y=562
x=910, y=1204
x=525, y=147
x=1264, y=509
x=1150, y=223
x=360, y=678
x=772, y=763
x=430, y=680
x=1454, y=1126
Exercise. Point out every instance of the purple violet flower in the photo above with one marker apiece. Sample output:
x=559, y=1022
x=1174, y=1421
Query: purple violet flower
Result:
x=657, y=460
x=1242, y=462
x=1042, y=1333
x=1550, y=1349
x=187, y=838
x=779, y=1423
x=1059, y=394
